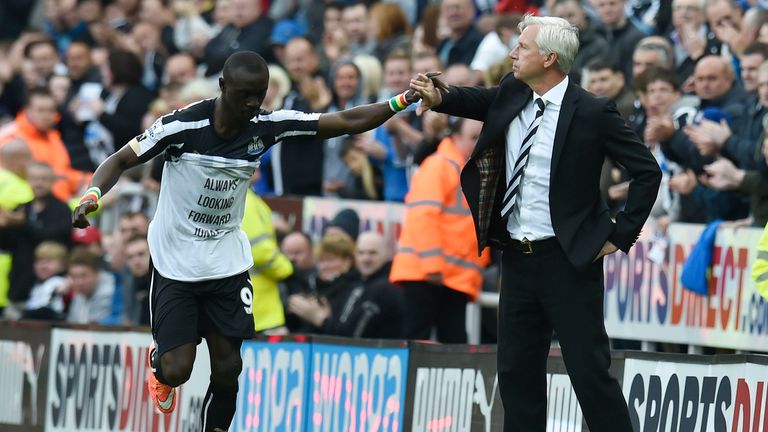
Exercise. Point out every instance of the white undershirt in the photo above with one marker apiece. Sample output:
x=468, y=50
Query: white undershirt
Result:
x=530, y=217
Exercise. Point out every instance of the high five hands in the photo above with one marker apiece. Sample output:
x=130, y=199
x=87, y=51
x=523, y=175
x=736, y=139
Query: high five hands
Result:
x=431, y=90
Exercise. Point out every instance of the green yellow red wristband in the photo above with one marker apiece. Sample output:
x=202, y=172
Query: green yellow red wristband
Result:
x=398, y=103
x=92, y=194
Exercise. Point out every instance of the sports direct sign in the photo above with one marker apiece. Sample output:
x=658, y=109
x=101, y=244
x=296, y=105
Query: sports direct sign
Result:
x=645, y=300
x=664, y=396
x=97, y=381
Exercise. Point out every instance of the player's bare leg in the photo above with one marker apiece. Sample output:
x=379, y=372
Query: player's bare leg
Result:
x=221, y=399
x=166, y=373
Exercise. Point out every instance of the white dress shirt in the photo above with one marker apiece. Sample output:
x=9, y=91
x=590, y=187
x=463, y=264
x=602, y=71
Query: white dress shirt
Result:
x=530, y=219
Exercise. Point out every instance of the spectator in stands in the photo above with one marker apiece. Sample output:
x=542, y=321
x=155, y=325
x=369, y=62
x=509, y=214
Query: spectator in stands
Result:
x=365, y=181
x=463, y=38
x=297, y=246
x=35, y=125
x=436, y=262
x=124, y=14
x=45, y=218
x=44, y=57
x=90, y=239
x=750, y=60
x=591, y=42
x=292, y=166
x=58, y=85
x=715, y=85
x=426, y=62
x=621, y=34
x=372, y=73
x=15, y=191
x=120, y=109
x=137, y=281
x=668, y=110
x=192, y=32
x=248, y=29
x=97, y=297
x=425, y=38
x=148, y=46
x=724, y=19
x=131, y=224
x=270, y=266
x=345, y=222
x=334, y=43
x=393, y=142
x=354, y=21
x=459, y=74
x=279, y=86
x=652, y=51
x=347, y=89
x=46, y=299
x=18, y=75
x=373, y=308
x=690, y=37
x=496, y=45
x=721, y=101
x=336, y=278
x=161, y=18
x=723, y=174
x=605, y=78
x=282, y=33
x=388, y=30
x=85, y=85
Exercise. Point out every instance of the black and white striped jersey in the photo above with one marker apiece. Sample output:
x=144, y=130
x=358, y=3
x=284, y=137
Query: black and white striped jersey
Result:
x=195, y=234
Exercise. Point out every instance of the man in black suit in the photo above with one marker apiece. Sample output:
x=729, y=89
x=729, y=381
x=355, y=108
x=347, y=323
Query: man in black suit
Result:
x=532, y=185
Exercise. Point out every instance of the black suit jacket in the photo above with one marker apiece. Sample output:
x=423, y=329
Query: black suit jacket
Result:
x=588, y=130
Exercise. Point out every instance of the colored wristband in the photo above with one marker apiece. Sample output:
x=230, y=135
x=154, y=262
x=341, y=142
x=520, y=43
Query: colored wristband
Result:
x=94, y=190
x=398, y=103
x=93, y=194
x=91, y=197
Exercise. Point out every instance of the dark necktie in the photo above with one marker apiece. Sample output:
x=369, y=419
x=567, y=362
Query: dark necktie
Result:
x=522, y=160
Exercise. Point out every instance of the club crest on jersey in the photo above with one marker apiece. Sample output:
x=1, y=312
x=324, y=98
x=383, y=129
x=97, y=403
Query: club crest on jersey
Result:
x=156, y=129
x=256, y=146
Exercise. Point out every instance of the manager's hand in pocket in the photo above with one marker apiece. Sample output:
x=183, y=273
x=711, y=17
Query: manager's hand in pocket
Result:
x=608, y=248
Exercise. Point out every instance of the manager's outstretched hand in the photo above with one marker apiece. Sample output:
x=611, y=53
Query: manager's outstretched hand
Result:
x=431, y=90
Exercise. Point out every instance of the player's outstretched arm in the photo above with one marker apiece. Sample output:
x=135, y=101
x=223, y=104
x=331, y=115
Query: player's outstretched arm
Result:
x=358, y=119
x=104, y=179
x=367, y=117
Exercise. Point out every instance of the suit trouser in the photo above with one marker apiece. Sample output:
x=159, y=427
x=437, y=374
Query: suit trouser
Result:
x=540, y=292
x=428, y=305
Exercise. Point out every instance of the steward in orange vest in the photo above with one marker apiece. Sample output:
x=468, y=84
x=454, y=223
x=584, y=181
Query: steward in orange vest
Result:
x=437, y=246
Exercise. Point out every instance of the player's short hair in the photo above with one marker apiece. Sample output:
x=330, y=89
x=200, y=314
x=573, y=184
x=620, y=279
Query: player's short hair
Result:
x=245, y=60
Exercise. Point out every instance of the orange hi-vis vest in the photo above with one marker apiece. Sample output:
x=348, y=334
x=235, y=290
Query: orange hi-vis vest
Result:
x=438, y=235
x=47, y=148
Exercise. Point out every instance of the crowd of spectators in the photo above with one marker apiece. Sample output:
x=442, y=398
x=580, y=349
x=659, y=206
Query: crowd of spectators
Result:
x=80, y=78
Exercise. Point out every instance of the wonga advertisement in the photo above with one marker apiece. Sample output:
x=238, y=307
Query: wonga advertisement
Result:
x=273, y=387
x=357, y=388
